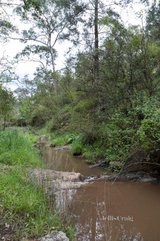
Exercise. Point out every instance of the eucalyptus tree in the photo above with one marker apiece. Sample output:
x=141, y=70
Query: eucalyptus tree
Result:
x=91, y=31
x=152, y=54
x=94, y=30
x=7, y=28
x=50, y=22
x=153, y=22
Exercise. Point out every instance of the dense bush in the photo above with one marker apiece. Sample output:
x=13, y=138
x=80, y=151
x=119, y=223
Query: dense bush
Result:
x=138, y=129
x=118, y=135
x=148, y=133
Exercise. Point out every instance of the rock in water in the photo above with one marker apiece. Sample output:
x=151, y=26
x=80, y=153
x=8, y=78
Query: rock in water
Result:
x=52, y=181
x=55, y=236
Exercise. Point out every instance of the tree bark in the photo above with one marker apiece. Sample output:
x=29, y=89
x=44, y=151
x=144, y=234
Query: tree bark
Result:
x=96, y=41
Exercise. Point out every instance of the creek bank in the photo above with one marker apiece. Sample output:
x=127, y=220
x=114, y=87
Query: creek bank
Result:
x=132, y=177
x=141, y=166
x=57, y=182
x=138, y=167
x=44, y=141
x=53, y=184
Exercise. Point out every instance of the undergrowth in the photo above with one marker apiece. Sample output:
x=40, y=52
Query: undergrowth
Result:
x=24, y=209
x=16, y=148
x=60, y=139
x=119, y=135
x=24, y=206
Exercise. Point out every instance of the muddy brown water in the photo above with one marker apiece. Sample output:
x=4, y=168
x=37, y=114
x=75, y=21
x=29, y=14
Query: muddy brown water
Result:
x=107, y=211
x=62, y=160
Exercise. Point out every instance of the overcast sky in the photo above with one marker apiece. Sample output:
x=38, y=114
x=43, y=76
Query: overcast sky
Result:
x=130, y=15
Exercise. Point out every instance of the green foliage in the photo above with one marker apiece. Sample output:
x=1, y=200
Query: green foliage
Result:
x=16, y=148
x=32, y=4
x=25, y=108
x=89, y=153
x=63, y=139
x=84, y=105
x=112, y=113
x=61, y=24
x=139, y=128
x=60, y=119
x=118, y=134
x=153, y=19
x=70, y=232
x=6, y=26
x=6, y=104
x=59, y=141
x=148, y=133
x=77, y=147
x=24, y=206
x=83, y=145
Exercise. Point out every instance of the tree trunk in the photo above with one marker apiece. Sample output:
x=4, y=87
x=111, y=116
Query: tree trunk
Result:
x=4, y=123
x=96, y=42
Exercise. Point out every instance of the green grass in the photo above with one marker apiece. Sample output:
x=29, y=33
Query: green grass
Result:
x=24, y=205
x=63, y=139
x=77, y=147
x=59, y=141
x=70, y=232
x=16, y=148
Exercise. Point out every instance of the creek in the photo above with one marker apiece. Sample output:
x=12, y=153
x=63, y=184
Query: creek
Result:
x=106, y=211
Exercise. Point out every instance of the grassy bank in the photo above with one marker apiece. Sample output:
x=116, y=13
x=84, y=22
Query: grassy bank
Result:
x=78, y=145
x=16, y=148
x=24, y=211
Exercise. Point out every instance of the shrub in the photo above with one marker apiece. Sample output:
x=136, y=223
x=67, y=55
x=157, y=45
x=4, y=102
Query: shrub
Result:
x=77, y=147
x=148, y=133
x=63, y=139
x=117, y=136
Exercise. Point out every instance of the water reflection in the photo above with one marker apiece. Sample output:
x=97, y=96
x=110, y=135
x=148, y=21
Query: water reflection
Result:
x=63, y=199
x=104, y=211
x=61, y=160
x=114, y=212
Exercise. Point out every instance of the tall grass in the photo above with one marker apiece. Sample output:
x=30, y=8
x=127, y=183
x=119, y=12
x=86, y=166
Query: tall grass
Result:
x=25, y=207
x=16, y=149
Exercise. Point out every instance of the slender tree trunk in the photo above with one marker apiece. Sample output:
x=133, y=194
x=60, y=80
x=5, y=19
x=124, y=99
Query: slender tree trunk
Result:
x=96, y=41
x=4, y=123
